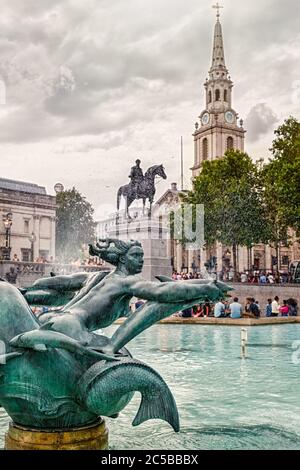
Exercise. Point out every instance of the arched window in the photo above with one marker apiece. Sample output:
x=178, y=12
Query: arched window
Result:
x=209, y=96
x=217, y=95
x=225, y=95
x=229, y=143
x=205, y=149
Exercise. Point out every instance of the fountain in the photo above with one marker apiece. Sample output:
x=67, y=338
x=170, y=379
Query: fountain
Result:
x=58, y=378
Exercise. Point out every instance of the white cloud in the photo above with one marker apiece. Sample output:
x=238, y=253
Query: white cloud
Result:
x=91, y=85
x=260, y=121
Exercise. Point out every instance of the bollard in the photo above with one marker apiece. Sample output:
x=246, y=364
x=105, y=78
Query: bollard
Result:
x=244, y=339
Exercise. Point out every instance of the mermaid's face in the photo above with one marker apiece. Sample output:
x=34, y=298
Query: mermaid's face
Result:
x=134, y=260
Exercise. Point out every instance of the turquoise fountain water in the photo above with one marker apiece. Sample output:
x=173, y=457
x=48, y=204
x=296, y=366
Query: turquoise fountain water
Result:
x=224, y=402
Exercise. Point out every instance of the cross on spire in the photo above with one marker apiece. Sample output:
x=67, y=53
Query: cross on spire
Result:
x=217, y=7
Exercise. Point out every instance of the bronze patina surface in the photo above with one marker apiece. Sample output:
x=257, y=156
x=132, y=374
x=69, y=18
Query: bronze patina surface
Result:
x=57, y=373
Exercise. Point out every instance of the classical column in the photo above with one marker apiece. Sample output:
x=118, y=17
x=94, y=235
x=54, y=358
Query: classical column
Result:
x=36, y=232
x=219, y=254
x=268, y=258
x=203, y=258
x=52, y=241
x=190, y=260
x=179, y=257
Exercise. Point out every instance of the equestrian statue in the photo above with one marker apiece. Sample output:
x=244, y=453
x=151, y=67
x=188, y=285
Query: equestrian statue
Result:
x=140, y=187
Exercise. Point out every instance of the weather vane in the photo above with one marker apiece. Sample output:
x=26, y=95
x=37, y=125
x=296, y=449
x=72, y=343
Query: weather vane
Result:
x=217, y=7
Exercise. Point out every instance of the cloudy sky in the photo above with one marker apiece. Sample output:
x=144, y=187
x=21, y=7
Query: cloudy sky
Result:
x=93, y=84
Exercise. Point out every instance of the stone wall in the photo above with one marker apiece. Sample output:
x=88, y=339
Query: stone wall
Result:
x=263, y=292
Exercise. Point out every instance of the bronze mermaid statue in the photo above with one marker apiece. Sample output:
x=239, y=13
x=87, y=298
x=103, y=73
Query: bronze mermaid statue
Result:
x=86, y=374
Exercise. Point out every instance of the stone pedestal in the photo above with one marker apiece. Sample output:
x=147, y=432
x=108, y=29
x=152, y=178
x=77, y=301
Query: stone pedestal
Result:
x=92, y=437
x=155, y=240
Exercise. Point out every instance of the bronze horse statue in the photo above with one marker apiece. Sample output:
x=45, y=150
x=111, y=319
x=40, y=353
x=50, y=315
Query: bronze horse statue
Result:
x=146, y=189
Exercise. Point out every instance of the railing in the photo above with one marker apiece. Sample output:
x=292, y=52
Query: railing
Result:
x=25, y=273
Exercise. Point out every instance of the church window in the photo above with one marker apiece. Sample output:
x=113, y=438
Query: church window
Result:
x=229, y=143
x=209, y=96
x=225, y=95
x=217, y=95
x=204, y=149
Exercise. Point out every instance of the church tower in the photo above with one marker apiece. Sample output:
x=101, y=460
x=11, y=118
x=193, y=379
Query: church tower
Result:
x=219, y=129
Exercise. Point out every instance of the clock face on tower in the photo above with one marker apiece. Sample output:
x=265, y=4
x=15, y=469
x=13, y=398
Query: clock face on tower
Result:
x=205, y=119
x=229, y=117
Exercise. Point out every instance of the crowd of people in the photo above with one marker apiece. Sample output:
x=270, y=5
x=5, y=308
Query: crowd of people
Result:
x=91, y=261
x=234, y=309
x=250, y=277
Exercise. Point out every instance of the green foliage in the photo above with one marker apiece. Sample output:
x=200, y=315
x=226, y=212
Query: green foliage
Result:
x=282, y=178
x=74, y=226
x=232, y=192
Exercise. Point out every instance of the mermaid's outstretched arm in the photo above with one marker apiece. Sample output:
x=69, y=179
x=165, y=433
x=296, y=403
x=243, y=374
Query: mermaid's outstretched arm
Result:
x=152, y=312
x=168, y=292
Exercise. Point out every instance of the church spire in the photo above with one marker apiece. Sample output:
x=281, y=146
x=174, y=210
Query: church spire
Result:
x=218, y=67
x=219, y=129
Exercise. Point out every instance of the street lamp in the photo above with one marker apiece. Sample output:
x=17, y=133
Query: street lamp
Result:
x=32, y=239
x=7, y=221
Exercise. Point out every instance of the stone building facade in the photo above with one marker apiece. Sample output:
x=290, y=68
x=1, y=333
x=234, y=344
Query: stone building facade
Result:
x=32, y=233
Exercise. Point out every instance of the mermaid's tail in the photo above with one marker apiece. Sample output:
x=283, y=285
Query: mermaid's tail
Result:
x=106, y=389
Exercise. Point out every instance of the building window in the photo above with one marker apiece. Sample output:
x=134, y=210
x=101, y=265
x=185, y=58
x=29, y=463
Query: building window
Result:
x=285, y=260
x=160, y=224
x=229, y=143
x=205, y=149
x=26, y=226
x=217, y=95
x=209, y=96
x=225, y=95
x=26, y=255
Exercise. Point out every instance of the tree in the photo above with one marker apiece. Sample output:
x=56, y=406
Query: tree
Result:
x=232, y=193
x=282, y=179
x=74, y=224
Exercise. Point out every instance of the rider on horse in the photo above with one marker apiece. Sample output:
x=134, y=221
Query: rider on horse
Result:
x=136, y=176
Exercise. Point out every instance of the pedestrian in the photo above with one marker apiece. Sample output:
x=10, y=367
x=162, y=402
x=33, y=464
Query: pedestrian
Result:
x=186, y=313
x=219, y=310
x=268, y=309
x=275, y=307
x=235, y=308
x=197, y=311
x=284, y=309
x=293, y=307
x=254, y=308
x=263, y=279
